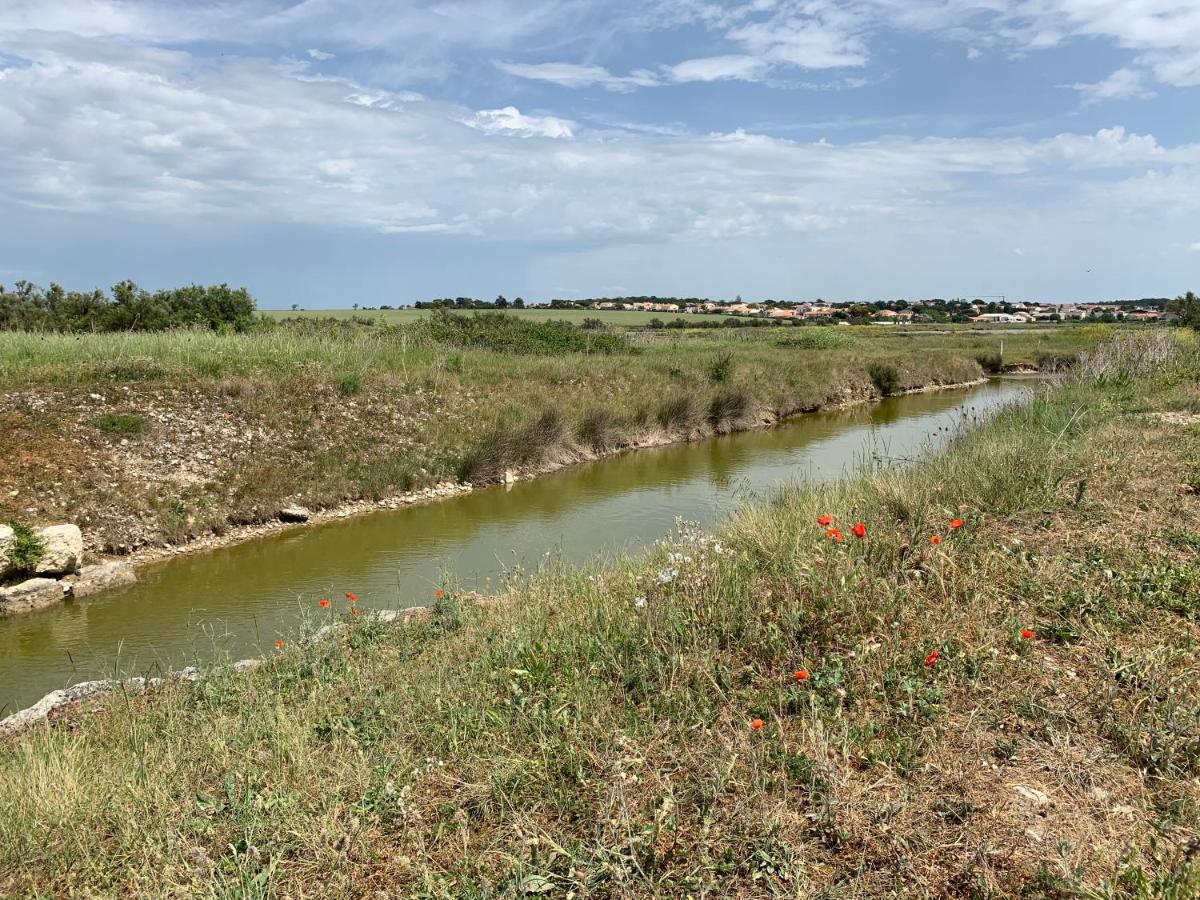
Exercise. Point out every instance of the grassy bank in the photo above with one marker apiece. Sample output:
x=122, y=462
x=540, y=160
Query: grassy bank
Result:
x=1009, y=711
x=159, y=438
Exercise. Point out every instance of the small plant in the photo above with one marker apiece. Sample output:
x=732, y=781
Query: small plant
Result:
x=728, y=407
x=127, y=424
x=598, y=429
x=991, y=363
x=721, y=368
x=454, y=363
x=885, y=377
x=680, y=412
x=26, y=550
x=350, y=384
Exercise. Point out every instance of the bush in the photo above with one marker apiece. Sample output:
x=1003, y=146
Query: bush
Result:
x=219, y=308
x=816, y=338
x=721, y=368
x=117, y=423
x=991, y=363
x=598, y=430
x=728, y=408
x=885, y=377
x=680, y=412
x=27, y=548
x=350, y=384
x=503, y=333
x=507, y=447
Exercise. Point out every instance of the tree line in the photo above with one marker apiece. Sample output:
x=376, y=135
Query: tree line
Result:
x=28, y=307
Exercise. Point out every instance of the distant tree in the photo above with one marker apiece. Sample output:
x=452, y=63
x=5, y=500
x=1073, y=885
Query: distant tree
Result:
x=656, y=323
x=518, y=303
x=295, y=306
x=501, y=302
x=1187, y=309
x=356, y=306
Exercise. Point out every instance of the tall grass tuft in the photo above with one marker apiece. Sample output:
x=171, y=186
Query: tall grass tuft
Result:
x=682, y=413
x=599, y=429
x=509, y=447
x=885, y=378
x=729, y=409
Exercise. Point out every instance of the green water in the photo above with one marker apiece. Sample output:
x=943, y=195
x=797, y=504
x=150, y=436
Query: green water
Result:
x=234, y=602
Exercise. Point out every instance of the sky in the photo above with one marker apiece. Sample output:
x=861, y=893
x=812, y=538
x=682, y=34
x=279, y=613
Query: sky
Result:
x=332, y=152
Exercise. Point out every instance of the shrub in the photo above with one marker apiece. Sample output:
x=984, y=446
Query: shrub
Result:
x=598, y=430
x=503, y=333
x=26, y=550
x=885, y=377
x=721, y=368
x=991, y=363
x=729, y=407
x=680, y=412
x=119, y=423
x=815, y=338
x=218, y=308
x=506, y=447
x=350, y=384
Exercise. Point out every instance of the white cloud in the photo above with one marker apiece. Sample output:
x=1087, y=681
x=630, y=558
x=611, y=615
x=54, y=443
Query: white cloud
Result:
x=1123, y=84
x=1195, y=248
x=319, y=55
x=718, y=68
x=510, y=120
x=152, y=136
x=974, y=53
x=572, y=75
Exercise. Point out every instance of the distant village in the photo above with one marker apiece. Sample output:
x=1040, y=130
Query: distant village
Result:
x=883, y=312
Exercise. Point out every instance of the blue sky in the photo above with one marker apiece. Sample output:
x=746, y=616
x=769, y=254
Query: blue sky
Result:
x=328, y=152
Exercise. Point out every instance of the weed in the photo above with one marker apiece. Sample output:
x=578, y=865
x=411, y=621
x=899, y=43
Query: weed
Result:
x=349, y=384
x=681, y=413
x=728, y=408
x=26, y=549
x=885, y=378
x=599, y=429
x=125, y=424
x=720, y=370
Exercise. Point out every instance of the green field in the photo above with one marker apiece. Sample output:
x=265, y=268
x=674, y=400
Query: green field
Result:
x=402, y=316
x=322, y=412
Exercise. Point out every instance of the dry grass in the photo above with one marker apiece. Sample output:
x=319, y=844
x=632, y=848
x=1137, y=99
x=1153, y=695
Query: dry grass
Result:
x=591, y=736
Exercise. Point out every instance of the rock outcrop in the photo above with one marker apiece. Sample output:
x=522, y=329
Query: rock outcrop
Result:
x=295, y=513
x=62, y=550
x=31, y=595
x=8, y=539
x=101, y=577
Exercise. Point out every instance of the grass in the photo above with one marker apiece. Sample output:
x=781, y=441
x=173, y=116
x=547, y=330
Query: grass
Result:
x=588, y=733
x=121, y=424
x=323, y=412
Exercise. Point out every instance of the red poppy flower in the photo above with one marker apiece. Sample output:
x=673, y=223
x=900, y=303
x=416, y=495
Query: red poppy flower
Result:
x=1027, y=634
x=351, y=596
x=932, y=658
x=756, y=725
x=935, y=540
x=859, y=530
x=834, y=535
x=956, y=523
x=825, y=520
x=439, y=594
x=279, y=645
x=801, y=675
x=324, y=604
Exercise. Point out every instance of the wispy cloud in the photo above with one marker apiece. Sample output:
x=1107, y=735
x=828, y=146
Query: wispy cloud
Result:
x=1123, y=84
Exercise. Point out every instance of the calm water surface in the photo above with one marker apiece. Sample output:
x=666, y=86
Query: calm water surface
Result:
x=235, y=601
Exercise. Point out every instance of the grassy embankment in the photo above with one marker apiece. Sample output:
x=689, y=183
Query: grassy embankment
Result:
x=591, y=735
x=149, y=438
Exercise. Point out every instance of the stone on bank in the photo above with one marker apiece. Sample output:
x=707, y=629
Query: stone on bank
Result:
x=62, y=550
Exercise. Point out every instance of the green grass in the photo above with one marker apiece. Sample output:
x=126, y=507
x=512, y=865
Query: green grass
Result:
x=120, y=424
x=590, y=733
x=346, y=411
